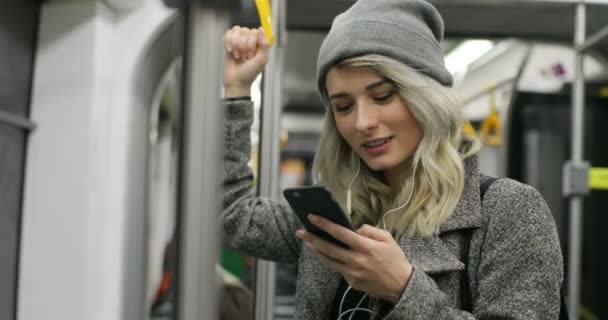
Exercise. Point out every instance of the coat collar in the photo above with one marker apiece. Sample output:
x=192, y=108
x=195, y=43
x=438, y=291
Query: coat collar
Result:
x=467, y=214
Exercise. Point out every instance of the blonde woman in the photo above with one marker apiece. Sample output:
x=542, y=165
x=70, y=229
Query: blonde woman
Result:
x=431, y=242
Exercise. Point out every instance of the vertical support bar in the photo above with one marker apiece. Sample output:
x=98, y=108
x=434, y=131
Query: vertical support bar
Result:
x=576, y=201
x=200, y=181
x=270, y=156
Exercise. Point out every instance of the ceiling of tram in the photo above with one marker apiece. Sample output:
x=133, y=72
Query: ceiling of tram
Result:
x=536, y=20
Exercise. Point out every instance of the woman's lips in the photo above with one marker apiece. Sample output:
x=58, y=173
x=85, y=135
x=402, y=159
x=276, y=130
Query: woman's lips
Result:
x=377, y=147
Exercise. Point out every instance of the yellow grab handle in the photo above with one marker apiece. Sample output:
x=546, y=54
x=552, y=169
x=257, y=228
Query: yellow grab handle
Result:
x=266, y=18
x=598, y=178
x=468, y=128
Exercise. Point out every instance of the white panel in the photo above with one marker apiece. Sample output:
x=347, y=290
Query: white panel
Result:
x=548, y=68
x=76, y=192
x=54, y=246
x=497, y=66
x=541, y=74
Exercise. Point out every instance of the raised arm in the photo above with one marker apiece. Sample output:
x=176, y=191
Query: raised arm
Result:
x=256, y=226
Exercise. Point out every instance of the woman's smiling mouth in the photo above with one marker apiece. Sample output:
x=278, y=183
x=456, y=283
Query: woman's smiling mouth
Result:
x=377, y=146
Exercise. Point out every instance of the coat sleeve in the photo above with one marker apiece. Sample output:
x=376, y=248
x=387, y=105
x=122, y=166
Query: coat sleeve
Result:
x=253, y=225
x=520, y=271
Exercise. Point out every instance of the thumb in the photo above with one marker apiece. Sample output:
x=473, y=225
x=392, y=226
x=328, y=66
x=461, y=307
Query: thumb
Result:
x=374, y=233
x=263, y=45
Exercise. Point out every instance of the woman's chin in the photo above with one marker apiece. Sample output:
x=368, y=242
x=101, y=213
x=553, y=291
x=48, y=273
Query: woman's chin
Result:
x=378, y=166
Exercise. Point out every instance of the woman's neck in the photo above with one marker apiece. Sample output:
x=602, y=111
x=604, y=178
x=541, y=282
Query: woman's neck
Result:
x=395, y=176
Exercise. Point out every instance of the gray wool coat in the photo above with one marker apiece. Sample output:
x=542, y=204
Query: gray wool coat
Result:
x=514, y=263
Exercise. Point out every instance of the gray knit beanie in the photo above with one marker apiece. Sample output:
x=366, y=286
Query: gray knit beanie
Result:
x=408, y=31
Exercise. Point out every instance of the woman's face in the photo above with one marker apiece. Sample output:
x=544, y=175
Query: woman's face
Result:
x=373, y=118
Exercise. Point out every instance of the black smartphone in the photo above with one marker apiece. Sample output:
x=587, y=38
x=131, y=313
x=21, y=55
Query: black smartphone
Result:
x=317, y=200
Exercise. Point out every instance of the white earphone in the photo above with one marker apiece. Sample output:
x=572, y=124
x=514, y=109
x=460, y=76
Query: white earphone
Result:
x=349, y=209
x=409, y=197
x=349, y=203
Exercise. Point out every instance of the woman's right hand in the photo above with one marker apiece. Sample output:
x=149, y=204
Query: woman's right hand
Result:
x=247, y=52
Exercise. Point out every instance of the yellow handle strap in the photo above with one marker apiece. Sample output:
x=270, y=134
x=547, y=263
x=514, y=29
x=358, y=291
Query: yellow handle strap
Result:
x=491, y=131
x=266, y=18
x=468, y=128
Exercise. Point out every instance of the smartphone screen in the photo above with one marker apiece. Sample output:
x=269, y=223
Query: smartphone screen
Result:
x=317, y=200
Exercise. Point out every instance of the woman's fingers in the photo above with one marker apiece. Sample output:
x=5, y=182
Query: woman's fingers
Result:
x=237, y=42
x=243, y=40
x=244, y=44
x=327, y=248
x=339, y=232
x=330, y=262
x=237, y=34
x=375, y=263
x=263, y=44
x=374, y=233
x=247, y=53
x=263, y=40
x=251, y=43
x=228, y=41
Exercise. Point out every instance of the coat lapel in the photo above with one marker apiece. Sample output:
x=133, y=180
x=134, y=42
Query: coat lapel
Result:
x=467, y=214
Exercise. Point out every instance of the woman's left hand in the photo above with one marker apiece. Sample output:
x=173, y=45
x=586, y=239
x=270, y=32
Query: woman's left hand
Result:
x=374, y=264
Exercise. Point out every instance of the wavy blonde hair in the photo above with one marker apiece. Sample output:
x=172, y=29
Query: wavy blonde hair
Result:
x=436, y=177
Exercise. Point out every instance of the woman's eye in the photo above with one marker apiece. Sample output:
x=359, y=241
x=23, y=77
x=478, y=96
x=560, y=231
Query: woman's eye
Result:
x=343, y=108
x=384, y=97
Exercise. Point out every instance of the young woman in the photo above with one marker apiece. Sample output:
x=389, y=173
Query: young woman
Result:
x=429, y=244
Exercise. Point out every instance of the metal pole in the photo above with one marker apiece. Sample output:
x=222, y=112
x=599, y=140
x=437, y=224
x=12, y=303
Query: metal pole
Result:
x=270, y=157
x=577, y=144
x=200, y=164
x=593, y=40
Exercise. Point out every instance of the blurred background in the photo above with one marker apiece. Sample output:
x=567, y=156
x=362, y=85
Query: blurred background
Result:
x=96, y=100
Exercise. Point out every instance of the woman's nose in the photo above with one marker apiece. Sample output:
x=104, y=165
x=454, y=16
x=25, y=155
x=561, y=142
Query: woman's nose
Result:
x=367, y=118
